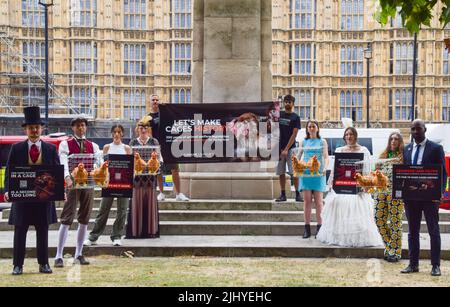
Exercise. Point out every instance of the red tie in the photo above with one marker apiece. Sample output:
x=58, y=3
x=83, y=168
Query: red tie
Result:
x=34, y=153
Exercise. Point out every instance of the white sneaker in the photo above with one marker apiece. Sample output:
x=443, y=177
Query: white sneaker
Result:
x=88, y=242
x=181, y=197
x=161, y=196
x=117, y=242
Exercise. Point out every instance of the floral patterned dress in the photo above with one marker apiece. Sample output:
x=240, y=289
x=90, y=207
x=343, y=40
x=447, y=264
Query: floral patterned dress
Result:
x=389, y=214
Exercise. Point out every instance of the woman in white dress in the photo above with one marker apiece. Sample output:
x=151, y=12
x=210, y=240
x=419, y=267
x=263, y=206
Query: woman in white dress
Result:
x=349, y=220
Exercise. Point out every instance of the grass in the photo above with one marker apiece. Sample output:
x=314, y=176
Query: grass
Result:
x=219, y=272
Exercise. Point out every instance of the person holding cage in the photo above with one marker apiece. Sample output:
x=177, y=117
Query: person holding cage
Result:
x=78, y=144
x=143, y=216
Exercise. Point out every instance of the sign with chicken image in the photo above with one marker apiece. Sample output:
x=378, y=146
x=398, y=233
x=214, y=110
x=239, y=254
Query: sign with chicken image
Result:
x=36, y=183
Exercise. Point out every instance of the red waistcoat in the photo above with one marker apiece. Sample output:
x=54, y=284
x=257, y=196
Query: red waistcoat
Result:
x=74, y=147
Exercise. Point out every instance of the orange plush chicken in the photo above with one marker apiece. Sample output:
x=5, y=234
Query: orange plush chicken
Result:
x=365, y=181
x=139, y=164
x=314, y=165
x=380, y=180
x=101, y=174
x=80, y=175
x=298, y=165
x=153, y=163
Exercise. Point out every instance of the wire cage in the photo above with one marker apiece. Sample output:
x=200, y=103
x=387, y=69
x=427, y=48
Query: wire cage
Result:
x=86, y=171
x=374, y=174
x=308, y=161
x=147, y=160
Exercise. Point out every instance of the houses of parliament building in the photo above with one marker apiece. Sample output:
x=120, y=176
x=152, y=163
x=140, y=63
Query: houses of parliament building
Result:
x=108, y=56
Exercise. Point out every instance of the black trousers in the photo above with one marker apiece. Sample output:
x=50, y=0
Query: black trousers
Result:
x=414, y=215
x=20, y=239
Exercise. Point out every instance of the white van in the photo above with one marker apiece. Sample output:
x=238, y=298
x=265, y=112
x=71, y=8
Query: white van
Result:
x=439, y=133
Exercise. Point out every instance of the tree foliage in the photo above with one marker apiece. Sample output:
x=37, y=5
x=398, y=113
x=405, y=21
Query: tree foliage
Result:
x=414, y=13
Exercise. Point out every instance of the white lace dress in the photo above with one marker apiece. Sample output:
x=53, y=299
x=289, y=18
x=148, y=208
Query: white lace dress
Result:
x=349, y=220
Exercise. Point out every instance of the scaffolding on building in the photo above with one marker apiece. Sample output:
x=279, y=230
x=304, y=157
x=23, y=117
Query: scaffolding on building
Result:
x=18, y=75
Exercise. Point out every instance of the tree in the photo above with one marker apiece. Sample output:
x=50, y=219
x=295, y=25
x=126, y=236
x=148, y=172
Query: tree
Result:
x=414, y=13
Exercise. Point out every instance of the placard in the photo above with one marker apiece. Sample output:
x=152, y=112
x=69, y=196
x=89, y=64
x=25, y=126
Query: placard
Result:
x=219, y=132
x=120, y=176
x=36, y=183
x=417, y=182
x=344, y=172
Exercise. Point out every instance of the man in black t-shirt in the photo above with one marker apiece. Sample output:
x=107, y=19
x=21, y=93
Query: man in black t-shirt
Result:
x=167, y=168
x=289, y=127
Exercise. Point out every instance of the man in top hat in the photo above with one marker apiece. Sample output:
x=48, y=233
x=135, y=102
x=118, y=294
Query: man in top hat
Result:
x=78, y=144
x=41, y=214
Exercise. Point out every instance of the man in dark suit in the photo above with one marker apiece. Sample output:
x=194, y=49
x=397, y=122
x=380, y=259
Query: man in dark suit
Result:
x=33, y=151
x=421, y=152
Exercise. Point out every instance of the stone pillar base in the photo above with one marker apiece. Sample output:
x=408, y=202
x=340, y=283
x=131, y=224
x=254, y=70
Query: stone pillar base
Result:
x=231, y=185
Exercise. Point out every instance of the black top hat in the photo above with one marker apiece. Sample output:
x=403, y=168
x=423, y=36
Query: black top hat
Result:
x=32, y=116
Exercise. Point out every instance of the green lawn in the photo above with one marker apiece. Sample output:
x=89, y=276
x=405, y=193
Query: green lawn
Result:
x=206, y=271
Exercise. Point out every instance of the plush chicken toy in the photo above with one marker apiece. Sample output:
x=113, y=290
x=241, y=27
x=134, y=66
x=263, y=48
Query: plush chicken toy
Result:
x=139, y=164
x=298, y=165
x=381, y=180
x=101, y=175
x=153, y=163
x=365, y=181
x=80, y=175
x=313, y=165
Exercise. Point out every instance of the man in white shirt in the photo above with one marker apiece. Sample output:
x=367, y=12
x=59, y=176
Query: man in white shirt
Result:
x=76, y=145
x=423, y=152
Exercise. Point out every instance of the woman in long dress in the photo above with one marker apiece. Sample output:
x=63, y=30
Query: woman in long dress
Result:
x=348, y=220
x=143, y=218
x=388, y=210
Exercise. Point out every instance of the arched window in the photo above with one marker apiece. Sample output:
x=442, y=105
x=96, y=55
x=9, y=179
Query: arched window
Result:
x=446, y=106
x=303, y=14
x=134, y=13
x=181, y=96
x=404, y=58
x=85, y=99
x=352, y=15
x=134, y=59
x=34, y=52
x=303, y=61
x=403, y=104
x=181, y=60
x=134, y=104
x=350, y=103
x=351, y=60
x=83, y=13
x=445, y=70
x=304, y=104
x=181, y=14
x=32, y=14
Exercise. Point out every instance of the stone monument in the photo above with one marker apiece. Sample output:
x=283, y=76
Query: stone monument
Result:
x=232, y=57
